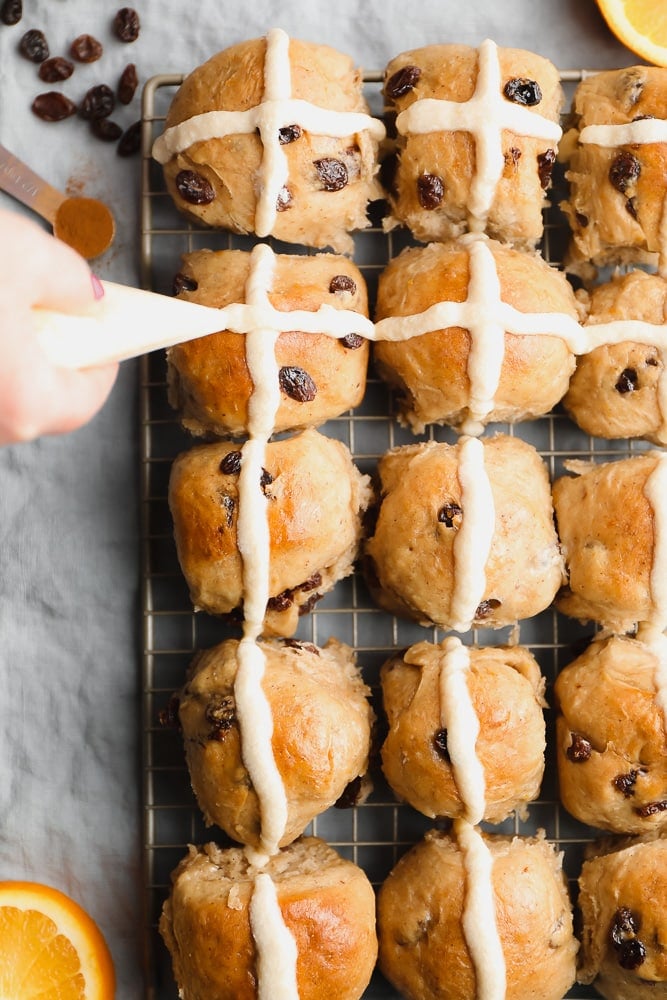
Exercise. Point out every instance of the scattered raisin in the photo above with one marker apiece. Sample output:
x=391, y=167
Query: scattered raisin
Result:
x=130, y=141
x=545, y=166
x=632, y=85
x=34, y=46
x=297, y=384
x=402, y=81
x=281, y=602
x=265, y=481
x=440, y=744
x=582, y=220
x=184, y=283
x=351, y=794
x=98, y=102
x=486, y=608
x=126, y=24
x=523, y=91
x=11, y=11
x=651, y=809
x=290, y=133
x=231, y=463
x=430, y=191
x=624, y=171
x=312, y=583
x=342, y=283
x=228, y=504
x=220, y=713
x=308, y=605
x=625, y=924
x=194, y=188
x=299, y=646
x=512, y=156
x=86, y=49
x=168, y=717
x=631, y=207
x=105, y=129
x=579, y=750
x=627, y=381
x=332, y=172
x=284, y=199
x=631, y=954
x=127, y=84
x=625, y=783
x=56, y=69
x=450, y=515
x=352, y=341
x=53, y=106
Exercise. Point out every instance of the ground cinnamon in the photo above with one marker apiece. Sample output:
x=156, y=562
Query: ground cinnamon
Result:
x=85, y=224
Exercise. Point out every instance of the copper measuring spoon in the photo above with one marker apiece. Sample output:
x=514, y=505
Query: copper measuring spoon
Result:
x=86, y=224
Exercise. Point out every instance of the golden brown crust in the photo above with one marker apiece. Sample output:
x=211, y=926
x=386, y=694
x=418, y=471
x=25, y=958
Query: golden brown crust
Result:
x=617, y=222
x=423, y=951
x=622, y=900
x=449, y=72
x=610, y=738
x=317, y=497
x=430, y=371
x=233, y=80
x=321, y=733
x=606, y=528
x=209, y=381
x=614, y=392
x=506, y=689
x=327, y=904
x=409, y=560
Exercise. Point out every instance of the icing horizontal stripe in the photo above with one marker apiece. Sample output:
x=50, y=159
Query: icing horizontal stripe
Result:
x=644, y=130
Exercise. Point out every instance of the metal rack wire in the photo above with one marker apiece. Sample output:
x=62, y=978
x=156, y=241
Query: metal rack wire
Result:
x=376, y=833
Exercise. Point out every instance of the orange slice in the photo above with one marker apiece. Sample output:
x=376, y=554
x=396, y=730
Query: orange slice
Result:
x=50, y=948
x=641, y=25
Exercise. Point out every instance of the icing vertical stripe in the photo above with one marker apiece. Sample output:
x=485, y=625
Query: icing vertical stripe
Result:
x=459, y=718
x=473, y=539
x=276, y=947
x=274, y=169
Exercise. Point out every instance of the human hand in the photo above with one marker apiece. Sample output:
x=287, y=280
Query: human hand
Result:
x=35, y=396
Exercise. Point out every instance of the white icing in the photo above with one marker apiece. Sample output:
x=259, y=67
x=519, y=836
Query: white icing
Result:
x=244, y=317
x=655, y=491
x=276, y=947
x=653, y=637
x=473, y=539
x=485, y=115
x=480, y=927
x=644, y=130
x=277, y=110
x=459, y=718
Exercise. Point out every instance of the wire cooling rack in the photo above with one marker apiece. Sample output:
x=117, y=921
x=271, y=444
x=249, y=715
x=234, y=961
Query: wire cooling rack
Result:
x=374, y=834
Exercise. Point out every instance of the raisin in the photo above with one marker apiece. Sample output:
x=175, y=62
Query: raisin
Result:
x=402, y=81
x=228, y=504
x=631, y=954
x=105, y=129
x=126, y=24
x=86, y=49
x=342, y=283
x=486, y=608
x=450, y=515
x=184, y=283
x=312, y=583
x=53, y=106
x=582, y=220
x=265, y=481
x=130, y=141
x=440, y=744
x=34, y=46
x=332, y=173
x=220, y=713
x=11, y=11
x=430, y=191
x=624, y=171
x=545, y=166
x=651, y=809
x=631, y=207
x=127, y=84
x=625, y=925
x=98, y=102
x=512, y=156
x=625, y=783
x=627, y=381
x=281, y=602
x=56, y=69
x=351, y=794
x=299, y=646
x=231, y=463
x=579, y=750
x=284, y=199
x=290, y=133
x=523, y=91
x=308, y=605
x=352, y=341
x=297, y=384
x=194, y=188
x=168, y=717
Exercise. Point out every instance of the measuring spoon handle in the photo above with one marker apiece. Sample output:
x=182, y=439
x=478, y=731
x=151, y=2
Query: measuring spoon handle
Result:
x=22, y=183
